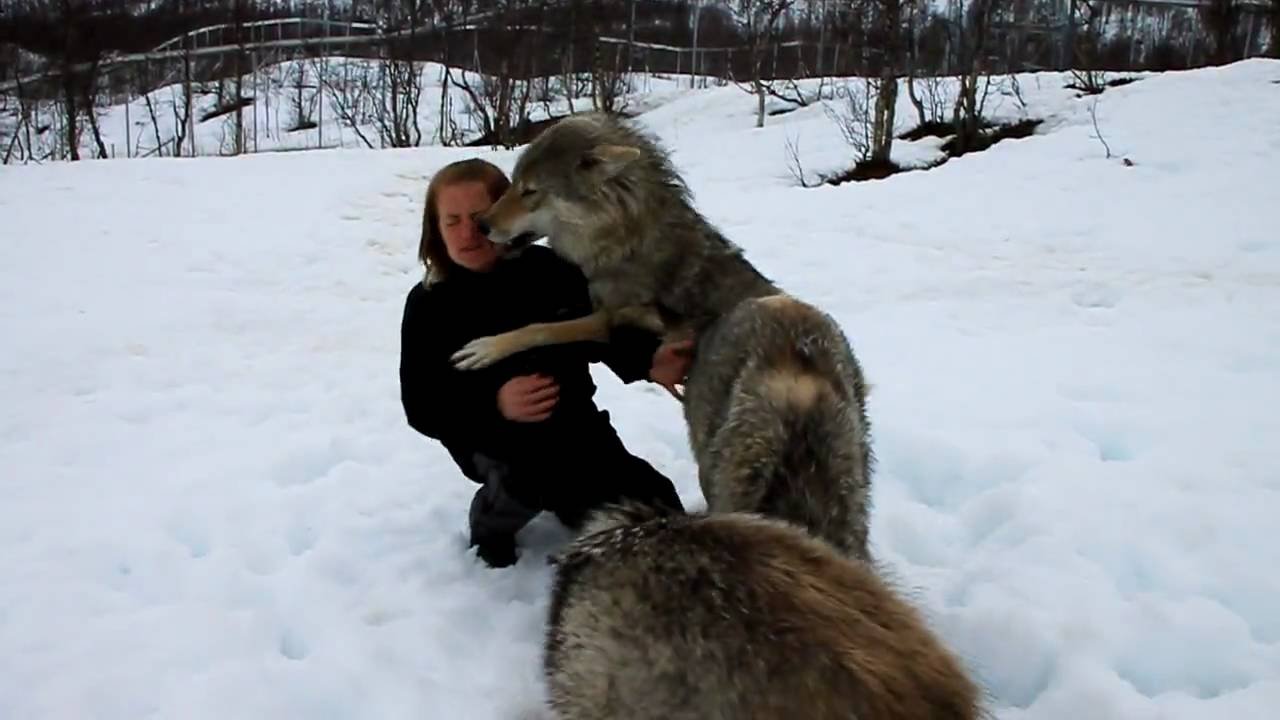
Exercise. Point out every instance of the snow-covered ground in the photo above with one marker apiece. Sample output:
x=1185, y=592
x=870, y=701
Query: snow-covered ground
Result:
x=213, y=508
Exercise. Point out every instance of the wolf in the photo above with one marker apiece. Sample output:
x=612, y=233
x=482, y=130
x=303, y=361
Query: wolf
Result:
x=775, y=400
x=660, y=614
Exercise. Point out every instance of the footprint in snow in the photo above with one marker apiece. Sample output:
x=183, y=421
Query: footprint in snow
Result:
x=293, y=646
x=1113, y=443
x=1095, y=296
x=301, y=538
x=195, y=539
x=309, y=463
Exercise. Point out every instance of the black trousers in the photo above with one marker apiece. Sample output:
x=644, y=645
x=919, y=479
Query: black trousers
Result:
x=569, y=481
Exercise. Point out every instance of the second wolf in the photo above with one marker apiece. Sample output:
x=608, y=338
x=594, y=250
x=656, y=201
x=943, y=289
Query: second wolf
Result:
x=733, y=616
x=775, y=399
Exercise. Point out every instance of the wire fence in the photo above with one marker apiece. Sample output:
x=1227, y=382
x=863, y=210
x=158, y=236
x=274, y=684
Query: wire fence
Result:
x=1139, y=22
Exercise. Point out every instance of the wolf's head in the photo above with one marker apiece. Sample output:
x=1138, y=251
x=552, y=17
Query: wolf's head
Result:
x=584, y=174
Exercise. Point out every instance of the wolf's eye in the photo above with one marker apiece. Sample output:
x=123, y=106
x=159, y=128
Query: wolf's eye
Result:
x=527, y=192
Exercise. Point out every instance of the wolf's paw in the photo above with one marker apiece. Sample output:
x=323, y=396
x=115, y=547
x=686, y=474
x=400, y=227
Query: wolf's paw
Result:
x=479, y=353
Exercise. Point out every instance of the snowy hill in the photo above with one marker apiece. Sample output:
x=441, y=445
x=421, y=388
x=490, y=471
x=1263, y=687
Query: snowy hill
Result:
x=213, y=507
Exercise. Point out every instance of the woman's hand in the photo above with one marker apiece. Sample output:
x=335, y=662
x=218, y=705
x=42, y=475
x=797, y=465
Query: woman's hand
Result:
x=671, y=363
x=528, y=398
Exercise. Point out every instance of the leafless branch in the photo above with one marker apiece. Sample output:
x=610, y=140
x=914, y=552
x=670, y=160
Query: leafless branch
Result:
x=349, y=92
x=795, y=167
x=852, y=114
x=1097, y=132
x=791, y=92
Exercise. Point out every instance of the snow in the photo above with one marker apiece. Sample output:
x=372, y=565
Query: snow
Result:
x=214, y=508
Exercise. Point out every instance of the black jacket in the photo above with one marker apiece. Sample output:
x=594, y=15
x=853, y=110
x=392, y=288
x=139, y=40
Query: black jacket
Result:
x=459, y=408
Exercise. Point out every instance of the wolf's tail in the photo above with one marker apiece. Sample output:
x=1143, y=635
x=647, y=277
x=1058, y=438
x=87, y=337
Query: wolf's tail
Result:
x=805, y=463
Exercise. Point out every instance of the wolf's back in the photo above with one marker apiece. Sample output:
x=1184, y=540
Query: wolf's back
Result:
x=738, y=616
x=777, y=419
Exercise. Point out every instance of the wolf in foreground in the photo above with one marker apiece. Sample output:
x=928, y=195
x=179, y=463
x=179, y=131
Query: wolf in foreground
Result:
x=734, y=616
x=774, y=400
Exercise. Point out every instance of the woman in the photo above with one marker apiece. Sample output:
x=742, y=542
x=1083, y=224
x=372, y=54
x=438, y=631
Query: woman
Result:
x=526, y=428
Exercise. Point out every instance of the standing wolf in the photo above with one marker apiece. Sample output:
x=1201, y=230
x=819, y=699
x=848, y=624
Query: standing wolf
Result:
x=731, y=616
x=775, y=400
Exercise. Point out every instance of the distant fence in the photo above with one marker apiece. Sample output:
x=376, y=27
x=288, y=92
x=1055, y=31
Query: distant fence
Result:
x=1036, y=40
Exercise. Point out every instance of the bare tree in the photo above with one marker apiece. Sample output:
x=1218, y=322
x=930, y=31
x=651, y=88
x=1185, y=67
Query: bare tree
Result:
x=852, y=113
x=933, y=100
x=608, y=78
x=500, y=94
x=498, y=102
x=399, y=75
x=302, y=106
x=915, y=9
x=796, y=167
x=930, y=94
x=179, y=113
x=378, y=100
x=1274, y=14
x=1097, y=132
x=350, y=87
x=569, y=41
x=1085, y=20
x=69, y=81
x=867, y=116
x=760, y=20
x=402, y=81
x=1221, y=18
x=239, y=16
x=446, y=15
x=76, y=60
x=885, y=21
x=608, y=70
x=20, y=115
x=970, y=38
x=447, y=130
x=10, y=117
x=184, y=127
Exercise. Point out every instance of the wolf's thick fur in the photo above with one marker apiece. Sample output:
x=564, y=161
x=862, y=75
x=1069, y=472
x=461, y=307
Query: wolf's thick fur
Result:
x=736, y=616
x=775, y=399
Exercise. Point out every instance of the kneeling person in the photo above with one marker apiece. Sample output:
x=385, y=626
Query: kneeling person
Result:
x=527, y=429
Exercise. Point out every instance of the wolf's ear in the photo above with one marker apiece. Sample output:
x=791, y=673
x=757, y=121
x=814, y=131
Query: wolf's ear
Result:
x=608, y=160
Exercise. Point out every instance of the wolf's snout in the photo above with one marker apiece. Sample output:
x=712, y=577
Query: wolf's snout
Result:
x=483, y=227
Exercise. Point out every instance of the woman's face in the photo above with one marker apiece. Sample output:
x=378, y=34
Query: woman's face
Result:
x=457, y=206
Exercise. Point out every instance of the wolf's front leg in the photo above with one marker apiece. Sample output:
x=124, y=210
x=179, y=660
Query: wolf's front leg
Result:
x=485, y=351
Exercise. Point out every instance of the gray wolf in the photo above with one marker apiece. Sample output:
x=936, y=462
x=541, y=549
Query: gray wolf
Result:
x=736, y=616
x=774, y=399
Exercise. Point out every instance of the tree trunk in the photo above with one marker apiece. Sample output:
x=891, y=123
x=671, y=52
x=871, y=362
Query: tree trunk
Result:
x=915, y=98
x=72, y=114
x=760, y=95
x=912, y=64
x=1275, y=28
x=886, y=110
x=97, y=132
x=88, y=86
x=188, y=121
x=757, y=78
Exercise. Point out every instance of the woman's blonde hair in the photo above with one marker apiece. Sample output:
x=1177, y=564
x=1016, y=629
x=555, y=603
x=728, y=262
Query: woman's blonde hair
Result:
x=431, y=249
